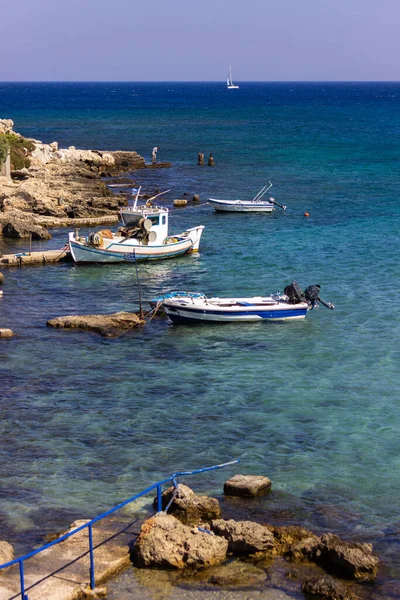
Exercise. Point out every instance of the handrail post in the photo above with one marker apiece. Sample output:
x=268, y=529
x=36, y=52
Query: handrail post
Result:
x=92, y=581
x=21, y=579
x=159, y=499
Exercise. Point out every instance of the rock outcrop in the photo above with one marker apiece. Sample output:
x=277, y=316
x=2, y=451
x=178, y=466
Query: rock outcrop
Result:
x=18, y=224
x=107, y=325
x=60, y=183
x=6, y=126
x=189, y=508
x=164, y=542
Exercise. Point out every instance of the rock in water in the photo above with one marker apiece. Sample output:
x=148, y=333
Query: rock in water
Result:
x=106, y=325
x=347, y=559
x=247, y=486
x=189, y=508
x=326, y=587
x=244, y=537
x=166, y=543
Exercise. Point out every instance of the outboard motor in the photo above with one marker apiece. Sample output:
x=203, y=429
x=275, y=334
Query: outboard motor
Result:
x=294, y=293
x=312, y=296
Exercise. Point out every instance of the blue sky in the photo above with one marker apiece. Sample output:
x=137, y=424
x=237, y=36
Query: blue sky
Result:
x=196, y=40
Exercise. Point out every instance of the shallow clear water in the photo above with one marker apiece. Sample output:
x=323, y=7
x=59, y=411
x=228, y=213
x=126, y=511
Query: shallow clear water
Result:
x=87, y=421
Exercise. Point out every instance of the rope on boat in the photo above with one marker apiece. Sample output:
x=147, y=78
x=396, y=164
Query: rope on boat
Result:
x=152, y=313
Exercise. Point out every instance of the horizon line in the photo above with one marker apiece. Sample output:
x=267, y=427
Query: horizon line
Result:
x=208, y=81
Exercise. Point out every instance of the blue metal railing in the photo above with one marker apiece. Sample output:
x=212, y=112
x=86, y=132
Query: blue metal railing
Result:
x=174, y=479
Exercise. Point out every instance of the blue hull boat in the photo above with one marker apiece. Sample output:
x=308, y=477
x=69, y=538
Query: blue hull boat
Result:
x=199, y=308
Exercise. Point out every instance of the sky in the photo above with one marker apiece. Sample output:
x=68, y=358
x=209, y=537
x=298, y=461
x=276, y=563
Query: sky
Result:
x=196, y=40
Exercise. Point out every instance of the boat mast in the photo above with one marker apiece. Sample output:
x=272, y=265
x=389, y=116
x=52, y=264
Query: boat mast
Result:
x=137, y=198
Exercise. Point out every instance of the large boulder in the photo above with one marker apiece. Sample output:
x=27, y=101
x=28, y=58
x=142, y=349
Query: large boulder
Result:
x=107, y=325
x=164, y=542
x=244, y=537
x=347, y=559
x=73, y=155
x=247, y=486
x=189, y=508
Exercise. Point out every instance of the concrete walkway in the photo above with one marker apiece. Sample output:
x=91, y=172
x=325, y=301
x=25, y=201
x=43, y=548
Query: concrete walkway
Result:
x=35, y=258
x=62, y=572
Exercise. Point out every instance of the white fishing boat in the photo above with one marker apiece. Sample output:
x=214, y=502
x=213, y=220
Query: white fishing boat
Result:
x=293, y=304
x=144, y=237
x=257, y=204
x=229, y=83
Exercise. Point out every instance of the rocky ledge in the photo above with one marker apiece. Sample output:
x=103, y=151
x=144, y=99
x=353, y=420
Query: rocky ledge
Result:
x=56, y=183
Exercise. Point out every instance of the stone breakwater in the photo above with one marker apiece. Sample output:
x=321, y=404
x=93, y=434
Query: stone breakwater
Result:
x=57, y=186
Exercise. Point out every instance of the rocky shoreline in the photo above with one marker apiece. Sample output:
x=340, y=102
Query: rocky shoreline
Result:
x=194, y=544
x=59, y=186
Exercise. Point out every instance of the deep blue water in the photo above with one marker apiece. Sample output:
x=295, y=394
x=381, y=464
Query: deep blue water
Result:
x=87, y=422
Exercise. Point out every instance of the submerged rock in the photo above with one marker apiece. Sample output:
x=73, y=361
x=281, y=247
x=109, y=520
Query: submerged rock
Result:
x=238, y=574
x=164, y=542
x=326, y=587
x=106, y=325
x=189, y=508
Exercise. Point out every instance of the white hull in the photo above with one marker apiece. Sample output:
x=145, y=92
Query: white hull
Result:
x=233, y=310
x=241, y=205
x=120, y=249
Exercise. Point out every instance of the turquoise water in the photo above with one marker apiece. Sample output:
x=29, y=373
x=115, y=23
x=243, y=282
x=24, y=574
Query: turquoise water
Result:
x=87, y=421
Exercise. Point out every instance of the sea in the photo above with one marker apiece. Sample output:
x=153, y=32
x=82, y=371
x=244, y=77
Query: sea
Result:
x=87, y=421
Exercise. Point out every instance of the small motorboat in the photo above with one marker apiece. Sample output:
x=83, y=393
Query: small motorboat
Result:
x=143, y=237
x=257, y=204
x=292, y=304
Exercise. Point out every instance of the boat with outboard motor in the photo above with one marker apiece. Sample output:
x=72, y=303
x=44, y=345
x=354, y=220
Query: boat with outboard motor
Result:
x=143, y=237
x=291, y=305
x=257, y=204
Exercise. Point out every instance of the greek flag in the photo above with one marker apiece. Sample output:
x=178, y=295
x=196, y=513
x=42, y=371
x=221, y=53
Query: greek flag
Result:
x=134, y=191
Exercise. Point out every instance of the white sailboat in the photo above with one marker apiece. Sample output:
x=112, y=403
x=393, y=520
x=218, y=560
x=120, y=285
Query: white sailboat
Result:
x=229, y=83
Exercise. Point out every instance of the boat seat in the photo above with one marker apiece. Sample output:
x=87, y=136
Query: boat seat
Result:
x=245, y=303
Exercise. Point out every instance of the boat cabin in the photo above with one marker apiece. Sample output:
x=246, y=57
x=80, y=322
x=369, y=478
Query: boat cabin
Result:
x=157, y=215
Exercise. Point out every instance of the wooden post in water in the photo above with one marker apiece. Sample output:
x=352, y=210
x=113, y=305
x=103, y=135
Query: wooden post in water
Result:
x=200, y=158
